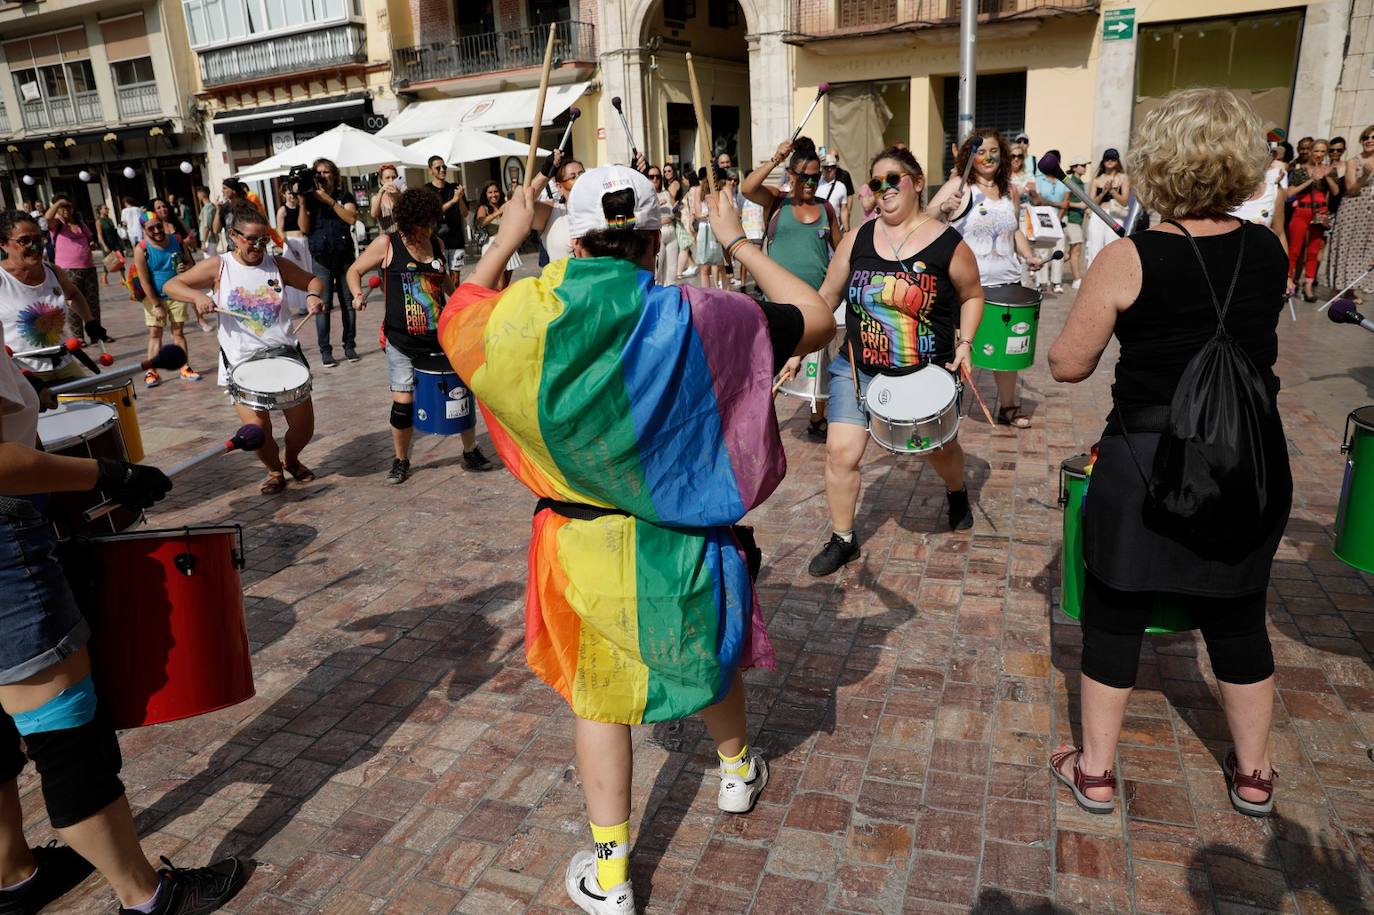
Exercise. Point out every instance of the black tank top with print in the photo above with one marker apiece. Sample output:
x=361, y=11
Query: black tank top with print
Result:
x=901, y=314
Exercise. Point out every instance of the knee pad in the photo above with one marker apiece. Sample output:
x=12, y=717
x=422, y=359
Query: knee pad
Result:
x=78, y=768
x=402, y=415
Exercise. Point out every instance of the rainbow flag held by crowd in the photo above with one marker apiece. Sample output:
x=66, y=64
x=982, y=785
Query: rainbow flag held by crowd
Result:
x=602, y=389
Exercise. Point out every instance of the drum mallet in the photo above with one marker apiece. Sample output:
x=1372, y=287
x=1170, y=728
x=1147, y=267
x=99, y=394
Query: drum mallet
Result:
x=248, y=438
x=1049, y=165
x=69, y=345
x=169, y=357
x=821, y=90
x=1331, y=300
x=629, y=137
x=573, y=114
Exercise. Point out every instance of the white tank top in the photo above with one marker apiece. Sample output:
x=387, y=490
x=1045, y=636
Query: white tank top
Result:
x=257, y=293
x=35, y=317
x=556, y=240
x=989, y=229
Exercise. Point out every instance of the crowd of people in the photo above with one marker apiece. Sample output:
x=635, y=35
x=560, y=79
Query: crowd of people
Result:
x=888, y=278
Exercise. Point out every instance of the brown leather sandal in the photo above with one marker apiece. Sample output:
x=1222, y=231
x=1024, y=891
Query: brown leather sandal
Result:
x=1080, y=783
x=274, y=484
x=1252, y=781
x=300, y=473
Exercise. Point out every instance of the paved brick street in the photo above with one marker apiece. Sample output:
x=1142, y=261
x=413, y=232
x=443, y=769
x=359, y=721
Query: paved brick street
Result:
x=400, y=758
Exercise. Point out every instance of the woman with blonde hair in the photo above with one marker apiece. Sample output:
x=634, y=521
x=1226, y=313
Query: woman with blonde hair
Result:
x=1160, y=292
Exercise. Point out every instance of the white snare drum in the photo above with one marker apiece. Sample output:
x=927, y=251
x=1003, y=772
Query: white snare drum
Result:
x=270, y=380
x=812, y=381
x=913, y=414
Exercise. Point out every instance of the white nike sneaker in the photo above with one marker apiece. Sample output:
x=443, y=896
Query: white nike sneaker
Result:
x=737, y=794
x=580, y=881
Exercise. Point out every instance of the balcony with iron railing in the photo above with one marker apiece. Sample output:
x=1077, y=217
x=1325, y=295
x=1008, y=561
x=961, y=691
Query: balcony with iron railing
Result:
x=280, y=55
x=138, y=100
x=4, y=119
x=811, y=20
x=62, y=111
x=487, y=52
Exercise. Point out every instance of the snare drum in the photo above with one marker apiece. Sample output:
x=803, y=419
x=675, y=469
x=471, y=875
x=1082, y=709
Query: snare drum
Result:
x=913, y=414
x=443, y=404
x=1005, y=340
x=168, y=636
x=812, y=381
x=124, y=399
x=87, y=429
x=273, y=379
x=1355, y=510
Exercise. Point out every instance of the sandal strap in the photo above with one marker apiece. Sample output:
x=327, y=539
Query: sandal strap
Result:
x=1081, y=779
x=1254, y=781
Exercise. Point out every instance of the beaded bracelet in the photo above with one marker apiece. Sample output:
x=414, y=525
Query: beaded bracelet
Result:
x=734, y=246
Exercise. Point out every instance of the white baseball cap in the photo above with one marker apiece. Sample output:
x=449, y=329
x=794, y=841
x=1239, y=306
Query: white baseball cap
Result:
x=1080, y=160
x=830, y=159
x=586, y=213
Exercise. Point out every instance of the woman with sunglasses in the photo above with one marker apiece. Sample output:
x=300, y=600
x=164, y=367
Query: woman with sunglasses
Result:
x=551, y=216
x=666, y=265
x=384, y=201
x=34, y=300
x=158, y=257
x=802, y=232
x=1110, y=189
x=250, y=282
x=1352, y=242
x=914, y=300
x=988, y=215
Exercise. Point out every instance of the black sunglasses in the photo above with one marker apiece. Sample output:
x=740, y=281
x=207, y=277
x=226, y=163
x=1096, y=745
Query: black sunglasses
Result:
x=809, y=180
x=254, y=241
x=655, y=175
x=878, y=185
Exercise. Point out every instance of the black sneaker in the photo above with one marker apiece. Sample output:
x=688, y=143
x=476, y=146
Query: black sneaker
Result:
x=476, y=460
x=836, y=553
x=960, y=515
x=400, y=470
x=197, y=890
x=59, y=871
x=328, y=360
x=351, y=354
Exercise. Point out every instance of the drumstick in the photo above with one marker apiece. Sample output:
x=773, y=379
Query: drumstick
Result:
x=704, y=138
x=170, y=356
x=1353, y=284
x=231, y=313
x=301, y=323
x=963, y=183
x=539, y=104
x=979, y=397
x=248, y=438
x=821, y=90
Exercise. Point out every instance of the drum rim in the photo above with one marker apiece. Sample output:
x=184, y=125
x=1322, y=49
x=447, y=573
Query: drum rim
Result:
x=1064, y=467
x=111, y=420
x=1366, y=422
x=233, y=374
x=878, y=381
x=1039, y=297
x=109, y=387
x=169, y=533
x=437, y=374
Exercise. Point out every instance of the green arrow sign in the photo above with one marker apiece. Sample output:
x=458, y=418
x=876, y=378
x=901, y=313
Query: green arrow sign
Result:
x=1118, y=25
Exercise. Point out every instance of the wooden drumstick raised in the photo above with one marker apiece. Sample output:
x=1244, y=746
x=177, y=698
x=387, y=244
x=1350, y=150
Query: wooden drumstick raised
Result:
x=539, y=104
x=979, y=397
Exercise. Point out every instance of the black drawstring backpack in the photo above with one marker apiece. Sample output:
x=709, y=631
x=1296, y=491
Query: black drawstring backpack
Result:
x=1221, y=469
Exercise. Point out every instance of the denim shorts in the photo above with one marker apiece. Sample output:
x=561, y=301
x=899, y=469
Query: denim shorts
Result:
x=843, y=406
x=40, y=623
x=400, y=370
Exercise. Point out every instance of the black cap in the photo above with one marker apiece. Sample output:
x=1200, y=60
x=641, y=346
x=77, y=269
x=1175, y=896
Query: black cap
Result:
x=1111, y=153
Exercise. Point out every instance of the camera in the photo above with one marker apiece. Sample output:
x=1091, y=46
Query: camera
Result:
x=301, y=179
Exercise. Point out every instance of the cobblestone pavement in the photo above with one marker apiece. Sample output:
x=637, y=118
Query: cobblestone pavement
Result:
x=400, y=758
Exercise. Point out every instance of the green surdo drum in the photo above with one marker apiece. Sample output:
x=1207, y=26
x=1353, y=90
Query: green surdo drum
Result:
x=1074, y=475
x=1005, y=340
x=1355, y=511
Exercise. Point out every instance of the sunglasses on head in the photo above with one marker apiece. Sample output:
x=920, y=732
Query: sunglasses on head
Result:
x=892, y=181
x=254, y=241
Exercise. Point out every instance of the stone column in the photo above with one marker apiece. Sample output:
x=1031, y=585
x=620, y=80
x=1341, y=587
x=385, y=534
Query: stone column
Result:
x=1320, y=57
x=770, y=94
x=1115, y=94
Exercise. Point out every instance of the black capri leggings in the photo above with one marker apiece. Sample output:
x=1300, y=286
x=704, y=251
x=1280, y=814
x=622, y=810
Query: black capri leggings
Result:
x=1114, y=624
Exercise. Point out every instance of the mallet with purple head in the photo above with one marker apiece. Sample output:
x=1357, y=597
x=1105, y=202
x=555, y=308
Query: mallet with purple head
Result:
x=629, y=137
x=821, y=90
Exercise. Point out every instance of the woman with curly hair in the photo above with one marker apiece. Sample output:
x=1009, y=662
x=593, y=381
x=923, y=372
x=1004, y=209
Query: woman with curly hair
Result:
x=415, y=284
x=1194, y=159
x=987, y=212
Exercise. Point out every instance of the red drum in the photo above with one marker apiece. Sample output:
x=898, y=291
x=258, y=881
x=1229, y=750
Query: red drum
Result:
x=168, y=635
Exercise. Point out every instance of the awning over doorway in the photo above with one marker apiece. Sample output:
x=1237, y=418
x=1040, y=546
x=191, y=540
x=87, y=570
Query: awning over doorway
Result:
x=490, y=111
x=275, y=117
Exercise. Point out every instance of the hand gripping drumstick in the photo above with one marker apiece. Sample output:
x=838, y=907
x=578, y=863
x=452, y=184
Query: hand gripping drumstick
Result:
x=629, y=137
x=704, y=140
x=821, y=90
x=169, y=357
x=539, y=104
x=1049, y=165
x=248, y=438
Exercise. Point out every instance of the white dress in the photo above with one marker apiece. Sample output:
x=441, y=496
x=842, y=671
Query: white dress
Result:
x=989, y=229
x=1098, y=234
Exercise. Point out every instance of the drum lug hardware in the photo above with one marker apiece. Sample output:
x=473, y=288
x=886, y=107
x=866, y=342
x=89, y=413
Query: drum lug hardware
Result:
x=185, y=563
x=1006, y=316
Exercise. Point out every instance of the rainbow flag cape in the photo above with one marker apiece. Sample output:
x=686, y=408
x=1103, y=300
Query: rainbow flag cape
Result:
x=600, y=388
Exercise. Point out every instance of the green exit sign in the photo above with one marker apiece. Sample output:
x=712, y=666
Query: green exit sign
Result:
x=1118, y=25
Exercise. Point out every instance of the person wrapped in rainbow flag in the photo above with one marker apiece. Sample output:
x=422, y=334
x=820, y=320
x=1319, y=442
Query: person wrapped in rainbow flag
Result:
x=642, y=418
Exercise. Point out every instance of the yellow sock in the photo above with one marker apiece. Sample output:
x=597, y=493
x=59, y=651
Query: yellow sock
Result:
x=735, y=765
x=612, y=853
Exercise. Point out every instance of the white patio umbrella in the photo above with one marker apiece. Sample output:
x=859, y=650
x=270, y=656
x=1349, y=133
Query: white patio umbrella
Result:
x=464, y=144
x=351, y=149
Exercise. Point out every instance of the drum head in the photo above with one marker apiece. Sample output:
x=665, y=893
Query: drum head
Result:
x=1363, y=417
x=274, y=374
x=1076, y=466
x=72, y=422
x=921, y=394
x=1011, y=295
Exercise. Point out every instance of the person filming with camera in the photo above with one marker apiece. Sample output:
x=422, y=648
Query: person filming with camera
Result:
x=327, y=215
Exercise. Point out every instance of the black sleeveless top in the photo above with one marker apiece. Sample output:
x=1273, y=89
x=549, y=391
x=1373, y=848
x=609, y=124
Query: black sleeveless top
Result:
x=414, y=298
x=292, y=221
x=1173, y=316
x=901, y=314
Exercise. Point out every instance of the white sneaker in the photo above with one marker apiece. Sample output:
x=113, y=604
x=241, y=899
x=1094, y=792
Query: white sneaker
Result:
x=690, y=271
x=580, y=881
x=738, y=795
x=1058, y=288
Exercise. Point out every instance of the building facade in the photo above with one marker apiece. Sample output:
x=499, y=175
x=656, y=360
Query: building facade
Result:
x=98, y=103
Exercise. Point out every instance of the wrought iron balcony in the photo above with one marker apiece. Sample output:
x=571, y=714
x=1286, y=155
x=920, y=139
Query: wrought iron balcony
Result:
x=285, y=54
x=137, y=100
x=64, y=111
x=470, y=55
x=811, y=20
x=4, y=119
